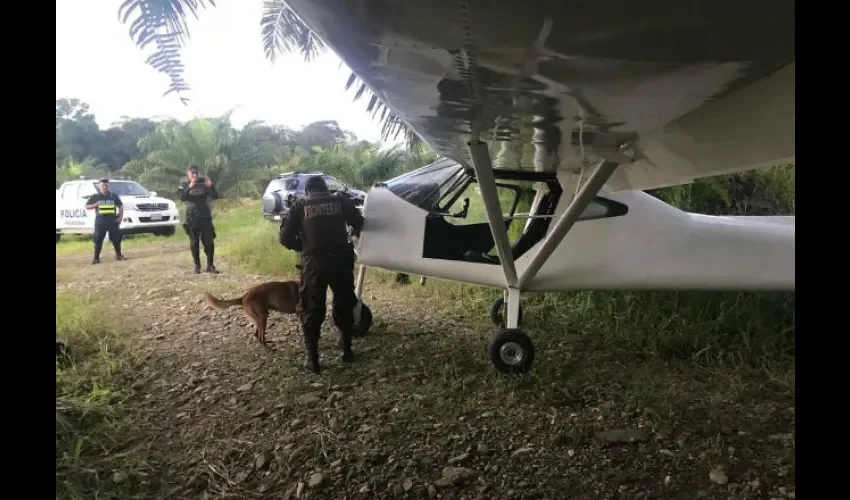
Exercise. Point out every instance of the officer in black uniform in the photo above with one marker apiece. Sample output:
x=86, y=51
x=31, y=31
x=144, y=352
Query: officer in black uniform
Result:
x=316, y=226
x=197, y=193
x=109, y=211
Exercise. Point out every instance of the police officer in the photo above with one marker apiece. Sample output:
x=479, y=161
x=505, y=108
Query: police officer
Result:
x=109, y=210
x=316, y=226
x=197, y=192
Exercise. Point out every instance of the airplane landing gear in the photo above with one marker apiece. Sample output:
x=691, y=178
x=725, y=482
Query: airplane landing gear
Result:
x=362, y=313
x=495, y=313
x=362, y=319
x=511, y=351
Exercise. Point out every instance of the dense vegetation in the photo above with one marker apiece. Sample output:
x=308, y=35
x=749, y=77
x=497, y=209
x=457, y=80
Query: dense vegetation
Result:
x=241, y=161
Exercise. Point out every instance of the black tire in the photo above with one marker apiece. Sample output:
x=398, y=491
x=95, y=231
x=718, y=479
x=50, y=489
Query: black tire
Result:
x=495, y=312
x=364, y=322
x=511, y=351
x=58, y=237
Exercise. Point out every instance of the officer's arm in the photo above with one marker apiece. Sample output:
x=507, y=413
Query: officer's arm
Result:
x=91, y=203
x=120, y=205
x=213, y=193
x=291, y=228
x=352, y=217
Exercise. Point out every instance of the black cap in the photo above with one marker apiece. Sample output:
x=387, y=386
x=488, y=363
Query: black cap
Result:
x=103, y=181
x=316, y=184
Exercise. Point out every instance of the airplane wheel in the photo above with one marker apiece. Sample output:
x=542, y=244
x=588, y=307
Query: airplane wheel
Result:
x=364, y=322
x=495, y=312
x=511, y=351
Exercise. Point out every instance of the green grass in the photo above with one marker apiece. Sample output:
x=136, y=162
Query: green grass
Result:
x=89, y=393
x=249, y=240
x=71, y=244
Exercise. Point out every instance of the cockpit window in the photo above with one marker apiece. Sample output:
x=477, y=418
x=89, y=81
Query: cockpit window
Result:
x=426, y=186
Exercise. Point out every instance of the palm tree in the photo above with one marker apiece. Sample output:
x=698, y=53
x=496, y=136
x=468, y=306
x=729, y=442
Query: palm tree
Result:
x=71, y=169
x=163, y=24
x=232, y=158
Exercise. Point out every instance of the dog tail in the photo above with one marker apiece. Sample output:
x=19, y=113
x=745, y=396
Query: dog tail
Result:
x=221, y=304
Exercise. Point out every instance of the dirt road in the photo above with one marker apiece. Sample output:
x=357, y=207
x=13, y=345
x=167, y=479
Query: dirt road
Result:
x=207, y=413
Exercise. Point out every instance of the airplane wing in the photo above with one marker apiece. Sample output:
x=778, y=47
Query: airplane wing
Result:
x=696, y=88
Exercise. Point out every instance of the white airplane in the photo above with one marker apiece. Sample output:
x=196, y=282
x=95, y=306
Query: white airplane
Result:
x=587, y=104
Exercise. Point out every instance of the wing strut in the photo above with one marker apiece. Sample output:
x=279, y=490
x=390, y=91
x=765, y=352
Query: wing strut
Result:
x=587, y=193
x=487, y=183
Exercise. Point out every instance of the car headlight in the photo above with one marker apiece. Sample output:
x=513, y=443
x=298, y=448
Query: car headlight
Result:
x=129, y=206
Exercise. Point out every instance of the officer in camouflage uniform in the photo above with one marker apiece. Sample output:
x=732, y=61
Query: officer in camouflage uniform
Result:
x=109, y=210
x=316, y=226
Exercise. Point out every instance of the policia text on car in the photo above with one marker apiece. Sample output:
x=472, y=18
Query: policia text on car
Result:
x=197, y=193
x=316, y=226
x=109, y=211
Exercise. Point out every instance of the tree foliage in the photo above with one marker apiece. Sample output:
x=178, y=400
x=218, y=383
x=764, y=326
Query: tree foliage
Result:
x=241, y=161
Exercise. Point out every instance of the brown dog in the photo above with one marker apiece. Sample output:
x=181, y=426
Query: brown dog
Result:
x=259, y=300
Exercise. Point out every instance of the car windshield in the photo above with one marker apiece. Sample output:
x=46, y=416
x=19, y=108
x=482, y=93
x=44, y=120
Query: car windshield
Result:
x=124, y=188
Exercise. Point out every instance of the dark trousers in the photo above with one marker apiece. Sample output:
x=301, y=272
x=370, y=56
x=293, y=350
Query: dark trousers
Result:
x=101, y=227
x=201, y=231
x=320, y=270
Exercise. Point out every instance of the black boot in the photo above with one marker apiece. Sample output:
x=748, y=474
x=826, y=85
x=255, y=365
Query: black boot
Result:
x=196, y=258
x=311, y=363
x=116, y=245
x=210, y=252
x=311, y=360
x=96, y=260
x=346, y=354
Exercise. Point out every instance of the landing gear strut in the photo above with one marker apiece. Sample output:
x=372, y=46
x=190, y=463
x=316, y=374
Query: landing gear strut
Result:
x=511, y=350
x=494, y=311
x=362, y=313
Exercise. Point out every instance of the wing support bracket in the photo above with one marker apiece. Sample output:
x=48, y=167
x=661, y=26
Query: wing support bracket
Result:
x=579, y=203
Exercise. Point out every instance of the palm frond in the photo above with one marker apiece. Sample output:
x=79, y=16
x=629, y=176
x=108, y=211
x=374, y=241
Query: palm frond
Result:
x=162, y=23
x=391, y=124
x=283, y=31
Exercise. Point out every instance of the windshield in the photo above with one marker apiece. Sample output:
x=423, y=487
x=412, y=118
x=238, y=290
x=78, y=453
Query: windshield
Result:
x=426, y=186
x=124, y=188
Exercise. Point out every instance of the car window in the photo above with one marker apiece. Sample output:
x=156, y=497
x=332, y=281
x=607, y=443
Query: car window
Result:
x=289, y=184
x=333, y=184
x=69, y=191
x=86, y=189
